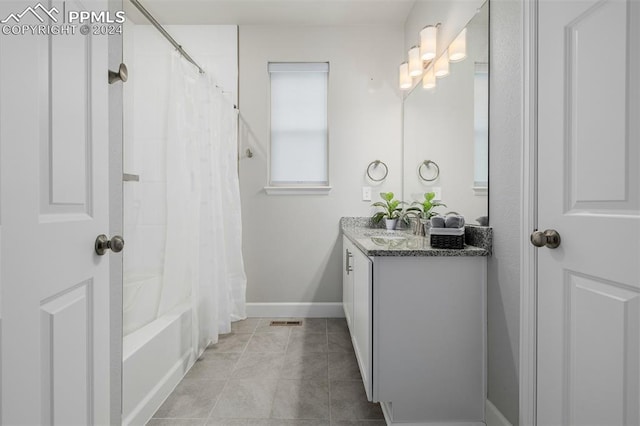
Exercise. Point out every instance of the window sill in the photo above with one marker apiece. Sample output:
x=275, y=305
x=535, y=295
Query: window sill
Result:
x=297, y=190
x=480, y=190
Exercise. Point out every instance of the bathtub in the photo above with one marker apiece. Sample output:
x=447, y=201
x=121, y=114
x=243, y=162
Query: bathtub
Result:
x=155, y=358
x=140, y=300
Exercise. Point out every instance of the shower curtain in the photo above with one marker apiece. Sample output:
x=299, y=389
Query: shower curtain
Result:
x=203, y=258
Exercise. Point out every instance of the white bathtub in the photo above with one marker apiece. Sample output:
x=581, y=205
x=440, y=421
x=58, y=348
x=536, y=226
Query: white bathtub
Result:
x=155, y=358
x=140, y=300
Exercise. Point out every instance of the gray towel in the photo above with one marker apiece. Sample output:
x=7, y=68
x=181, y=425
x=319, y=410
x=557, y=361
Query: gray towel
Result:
x=483, y=220
x=437, y=222
x=454, y=221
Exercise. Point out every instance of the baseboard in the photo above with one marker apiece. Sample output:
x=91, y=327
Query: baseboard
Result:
x=386, y=410
x=295, y=310
x=494, y=417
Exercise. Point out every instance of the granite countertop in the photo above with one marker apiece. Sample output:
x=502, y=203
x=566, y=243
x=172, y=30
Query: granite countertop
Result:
x=374, y=241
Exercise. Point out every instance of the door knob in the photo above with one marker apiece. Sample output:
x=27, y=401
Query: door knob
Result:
x=549, y=238
x=103, y=243
x=121, y=75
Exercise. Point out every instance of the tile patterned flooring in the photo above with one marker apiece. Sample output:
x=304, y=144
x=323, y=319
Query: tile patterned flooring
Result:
x=259, y=375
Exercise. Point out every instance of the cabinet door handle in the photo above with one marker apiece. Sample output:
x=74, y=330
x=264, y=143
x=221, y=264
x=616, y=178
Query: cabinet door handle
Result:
x=348, y=256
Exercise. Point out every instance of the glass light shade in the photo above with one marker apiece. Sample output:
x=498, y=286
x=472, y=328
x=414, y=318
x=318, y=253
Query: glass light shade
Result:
x=429, y=79
x=428, y=40
x=405, y=78
x=441, y=68
x=415, y=63
x=458, y=48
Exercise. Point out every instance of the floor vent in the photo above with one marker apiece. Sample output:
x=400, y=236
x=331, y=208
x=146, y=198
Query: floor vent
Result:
x=285, y=323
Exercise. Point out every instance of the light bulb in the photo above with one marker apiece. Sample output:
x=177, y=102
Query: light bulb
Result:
x=415, y=63
x=429, y=79
x=428, y=41
x=458, y=48
x=405, y=78
x=441, y=68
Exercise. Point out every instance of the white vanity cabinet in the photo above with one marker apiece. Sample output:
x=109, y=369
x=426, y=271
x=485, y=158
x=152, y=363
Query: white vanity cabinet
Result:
x=418, y=327
x=348, y=249
x=357, y=303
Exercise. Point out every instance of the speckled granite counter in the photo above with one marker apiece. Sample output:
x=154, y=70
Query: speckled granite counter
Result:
x=377, y=241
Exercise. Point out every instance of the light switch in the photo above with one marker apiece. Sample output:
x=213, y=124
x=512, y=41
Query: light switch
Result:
x=366, y=193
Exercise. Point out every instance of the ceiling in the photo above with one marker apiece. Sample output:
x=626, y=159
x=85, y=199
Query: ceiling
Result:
x=274, y=12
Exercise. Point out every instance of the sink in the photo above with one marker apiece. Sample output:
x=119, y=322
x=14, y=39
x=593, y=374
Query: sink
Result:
x=386, y=234
x=389, y=237
x=391, y=240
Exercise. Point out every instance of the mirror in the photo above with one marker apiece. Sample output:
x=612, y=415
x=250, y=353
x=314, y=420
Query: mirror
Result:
x=446, y=132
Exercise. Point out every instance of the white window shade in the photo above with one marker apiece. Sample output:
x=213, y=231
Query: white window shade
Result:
x=481, y=126
x=299, y=134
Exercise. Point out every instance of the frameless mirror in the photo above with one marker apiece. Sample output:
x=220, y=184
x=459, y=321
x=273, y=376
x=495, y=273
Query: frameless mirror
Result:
x=446, y=136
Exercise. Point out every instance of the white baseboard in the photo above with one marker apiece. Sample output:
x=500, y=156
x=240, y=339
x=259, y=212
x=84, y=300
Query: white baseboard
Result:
x=386, y=410
x=295, y=310
x=494, y=417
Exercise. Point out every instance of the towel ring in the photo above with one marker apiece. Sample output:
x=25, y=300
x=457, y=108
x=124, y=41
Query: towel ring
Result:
x=376, y=164
x=428, y=164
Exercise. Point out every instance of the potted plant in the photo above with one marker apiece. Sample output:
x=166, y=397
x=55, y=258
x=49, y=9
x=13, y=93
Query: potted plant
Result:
x=392, y=210
x=426, y=207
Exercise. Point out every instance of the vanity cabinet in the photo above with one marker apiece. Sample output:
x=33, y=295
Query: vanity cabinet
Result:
x=417, y=324
x=348, y=249
x=357, y=302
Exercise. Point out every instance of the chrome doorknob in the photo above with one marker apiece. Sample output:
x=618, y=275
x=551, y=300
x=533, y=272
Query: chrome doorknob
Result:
x=103, y=243
x=121, y=75
x=548, y=238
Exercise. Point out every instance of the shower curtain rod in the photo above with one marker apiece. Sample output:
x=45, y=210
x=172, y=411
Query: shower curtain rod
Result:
x=164, y=32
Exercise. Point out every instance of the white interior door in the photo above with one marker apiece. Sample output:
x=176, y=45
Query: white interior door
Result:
x=54, y=164
x=588, y=190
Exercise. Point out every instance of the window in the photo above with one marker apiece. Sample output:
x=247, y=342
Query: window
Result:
x=299, y=133
x=481, y=128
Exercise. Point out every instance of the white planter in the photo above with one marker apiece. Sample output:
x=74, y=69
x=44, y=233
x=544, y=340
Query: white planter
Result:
x=427, y=226
x=391, y=224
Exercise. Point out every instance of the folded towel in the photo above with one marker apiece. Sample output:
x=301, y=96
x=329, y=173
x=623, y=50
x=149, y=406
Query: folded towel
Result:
x=437, y=222
x=454, y=221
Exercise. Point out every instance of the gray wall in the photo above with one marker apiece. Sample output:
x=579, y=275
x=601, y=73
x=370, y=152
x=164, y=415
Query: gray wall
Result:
x=505, y=177
x=291, y=243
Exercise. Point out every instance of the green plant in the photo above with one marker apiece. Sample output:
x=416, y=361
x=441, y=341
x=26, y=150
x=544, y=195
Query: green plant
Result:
x=391, y=208
x=428, y=204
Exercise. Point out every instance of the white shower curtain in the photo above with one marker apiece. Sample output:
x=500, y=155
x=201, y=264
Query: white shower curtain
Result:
x=203, y=258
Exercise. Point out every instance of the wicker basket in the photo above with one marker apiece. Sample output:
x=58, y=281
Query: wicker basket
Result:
x=447, y=238
x=447, y=241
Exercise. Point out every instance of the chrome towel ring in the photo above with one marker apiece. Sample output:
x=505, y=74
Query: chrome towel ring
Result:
x=376, y=164
x=427, y=164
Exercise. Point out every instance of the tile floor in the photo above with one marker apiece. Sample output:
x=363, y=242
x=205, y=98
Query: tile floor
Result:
x=259, y=375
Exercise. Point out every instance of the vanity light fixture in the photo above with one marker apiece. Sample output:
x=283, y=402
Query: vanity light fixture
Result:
x=405, y=79
x=441, y=67
x=415, y=62
x=428, y=41
x=458, y=47
x=429, y=79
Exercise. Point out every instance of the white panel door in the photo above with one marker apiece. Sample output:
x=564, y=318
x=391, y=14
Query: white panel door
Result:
x=54, y=201
x=589, y=191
